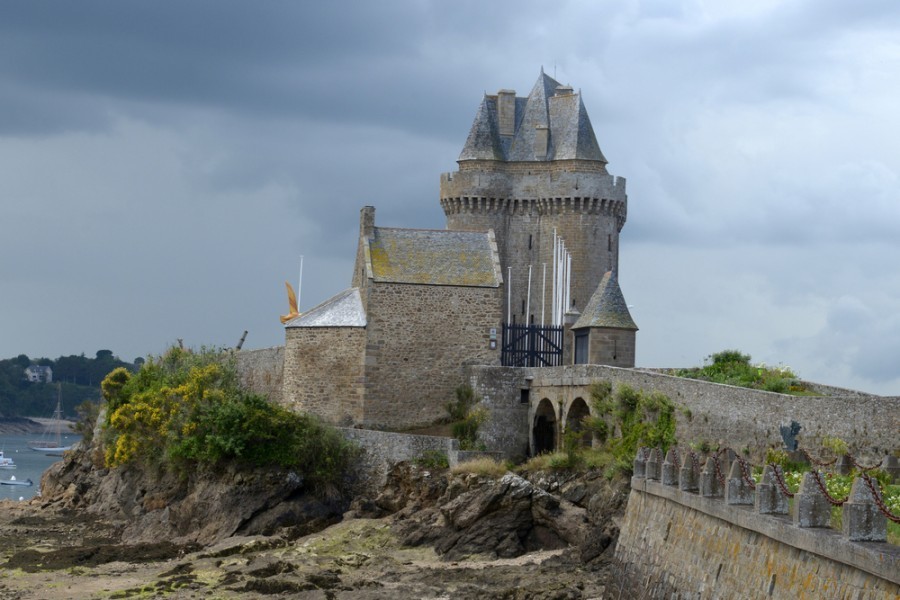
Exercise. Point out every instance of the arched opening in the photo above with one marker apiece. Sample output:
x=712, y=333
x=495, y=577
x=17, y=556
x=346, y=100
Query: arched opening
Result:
x=578, y=412
x=544, y=430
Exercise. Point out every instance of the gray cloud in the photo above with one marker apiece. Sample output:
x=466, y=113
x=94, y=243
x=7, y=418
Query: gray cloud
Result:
x=166, y=164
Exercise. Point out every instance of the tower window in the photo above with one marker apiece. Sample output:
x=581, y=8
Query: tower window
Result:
x=529, y=241
x=523, y=307
x=609, y=242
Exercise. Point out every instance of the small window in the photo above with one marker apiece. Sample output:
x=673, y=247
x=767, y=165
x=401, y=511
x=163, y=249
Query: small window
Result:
x=524, y=396
x=523, y=307
x=609, y=242
x=529, y=241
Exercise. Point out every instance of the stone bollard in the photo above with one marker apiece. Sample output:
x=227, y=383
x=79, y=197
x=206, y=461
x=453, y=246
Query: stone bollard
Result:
x=737, y=491
x=653, y=466
x=862, y=521
x=892, y=467
x=811, y=507
x=640, y=463
x=670, y=469
x=709, y=483
x=770, y=500
x=844, y=465
x=688, y=475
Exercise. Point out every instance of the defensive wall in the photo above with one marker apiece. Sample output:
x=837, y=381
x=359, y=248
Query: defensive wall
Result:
x=706, y=411
x=262, y=371
x=384, y=449
x=686, y=535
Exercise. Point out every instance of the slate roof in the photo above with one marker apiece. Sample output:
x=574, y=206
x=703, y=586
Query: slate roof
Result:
x=607, y=307
x=434, y=257
x=551, y=105
x=344, y=310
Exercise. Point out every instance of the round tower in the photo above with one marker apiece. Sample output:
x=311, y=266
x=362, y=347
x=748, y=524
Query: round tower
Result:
x=531, y=168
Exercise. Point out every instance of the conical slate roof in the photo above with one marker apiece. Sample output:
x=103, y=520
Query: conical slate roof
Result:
x=607, y=307
x=550, y=105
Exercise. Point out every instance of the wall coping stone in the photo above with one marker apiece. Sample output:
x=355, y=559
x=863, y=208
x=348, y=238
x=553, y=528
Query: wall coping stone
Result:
x=877, y=558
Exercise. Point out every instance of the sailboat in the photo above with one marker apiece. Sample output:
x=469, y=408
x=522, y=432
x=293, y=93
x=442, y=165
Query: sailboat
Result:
x=53, y=447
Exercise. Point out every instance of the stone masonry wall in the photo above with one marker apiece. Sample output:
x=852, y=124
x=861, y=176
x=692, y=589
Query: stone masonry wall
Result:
x=679, y=545
x=384, y=449
x=713, y=412
x=324, y=372
x=610, y=346
x=419, y=340
x=500, y=390
x=524, y=203
x=744, y=417
x=261, y=371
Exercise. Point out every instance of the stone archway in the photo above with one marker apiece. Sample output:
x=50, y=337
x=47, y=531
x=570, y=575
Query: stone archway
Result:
x=577, y=413
x=543, y=432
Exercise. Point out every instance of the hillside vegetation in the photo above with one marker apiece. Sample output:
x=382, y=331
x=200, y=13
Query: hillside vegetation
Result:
x=732, y=367
x=78, y=376
x=186, y=409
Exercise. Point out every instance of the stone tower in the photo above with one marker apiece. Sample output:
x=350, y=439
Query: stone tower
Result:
x=532, y=166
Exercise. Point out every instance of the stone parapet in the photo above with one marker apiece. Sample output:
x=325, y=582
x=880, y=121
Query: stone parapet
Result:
x=681, y=543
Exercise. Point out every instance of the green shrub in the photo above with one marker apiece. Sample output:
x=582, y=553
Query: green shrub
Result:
x=433, y=459
x=468, y=418
x=731, y=367
x=186, y=409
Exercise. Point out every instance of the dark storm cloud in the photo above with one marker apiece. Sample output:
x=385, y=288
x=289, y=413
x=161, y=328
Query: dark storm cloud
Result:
x=359, y=62
x=166, y=163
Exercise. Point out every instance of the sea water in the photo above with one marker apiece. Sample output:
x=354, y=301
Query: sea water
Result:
x=29, y=464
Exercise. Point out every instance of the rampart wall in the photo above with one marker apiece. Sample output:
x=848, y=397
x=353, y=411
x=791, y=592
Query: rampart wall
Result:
x=707, y=411
x=719, y=543
x=261, y=371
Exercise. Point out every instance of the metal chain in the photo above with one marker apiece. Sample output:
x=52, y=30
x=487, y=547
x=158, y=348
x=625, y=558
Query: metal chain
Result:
x=695, y=464
x=745, y=473
x=879, y=498
x=861, y=467
x=719, y=475
x=676, y=457
x=821, y=484
x=779, y=479
x=815, y=462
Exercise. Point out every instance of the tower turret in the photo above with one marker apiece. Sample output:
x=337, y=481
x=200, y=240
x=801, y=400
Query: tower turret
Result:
x=531, y=168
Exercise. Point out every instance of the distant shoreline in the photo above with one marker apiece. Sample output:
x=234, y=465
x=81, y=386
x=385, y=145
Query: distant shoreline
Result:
x=32, y=425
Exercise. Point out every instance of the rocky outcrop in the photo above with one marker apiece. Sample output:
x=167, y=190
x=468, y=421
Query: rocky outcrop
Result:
x=466, y=515
x=200, y=507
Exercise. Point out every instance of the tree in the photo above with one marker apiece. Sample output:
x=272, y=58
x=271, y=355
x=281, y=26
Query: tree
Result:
x=23, y=361
x=104, y=355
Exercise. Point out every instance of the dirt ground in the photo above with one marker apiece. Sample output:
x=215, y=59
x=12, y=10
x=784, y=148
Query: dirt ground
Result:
x=48, y=554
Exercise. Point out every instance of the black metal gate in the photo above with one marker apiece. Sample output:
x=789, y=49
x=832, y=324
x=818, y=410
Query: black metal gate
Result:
x=531, y=346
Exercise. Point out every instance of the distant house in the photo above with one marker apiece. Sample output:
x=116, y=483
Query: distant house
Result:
x=39, y=374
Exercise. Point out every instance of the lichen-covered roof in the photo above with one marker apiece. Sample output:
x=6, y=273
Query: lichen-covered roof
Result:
x=344, y=310
x=607, y=307
x=550, y=105
x=434, y=257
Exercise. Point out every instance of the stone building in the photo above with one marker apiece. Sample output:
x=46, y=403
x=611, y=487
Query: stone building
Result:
x=389, y=351
x=426, y=304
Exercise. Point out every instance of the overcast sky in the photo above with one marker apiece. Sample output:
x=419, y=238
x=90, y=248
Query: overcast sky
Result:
x=163, y=165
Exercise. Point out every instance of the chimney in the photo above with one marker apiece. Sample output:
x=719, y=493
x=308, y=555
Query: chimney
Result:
x=367, y=222
x=541, y=142
x=506, y=112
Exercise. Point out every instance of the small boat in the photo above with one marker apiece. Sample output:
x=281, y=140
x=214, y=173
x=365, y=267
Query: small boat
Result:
x=6, y=463
x=13, y=481
x=53, y=447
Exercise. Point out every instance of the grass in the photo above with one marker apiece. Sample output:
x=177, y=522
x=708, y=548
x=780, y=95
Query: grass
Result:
x=485, y=466
x=731, y=367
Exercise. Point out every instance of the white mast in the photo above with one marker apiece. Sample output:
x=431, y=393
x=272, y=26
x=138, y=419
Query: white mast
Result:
x=543, y=291
x=300, y=282
x=509, y=295
x=528, y=296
